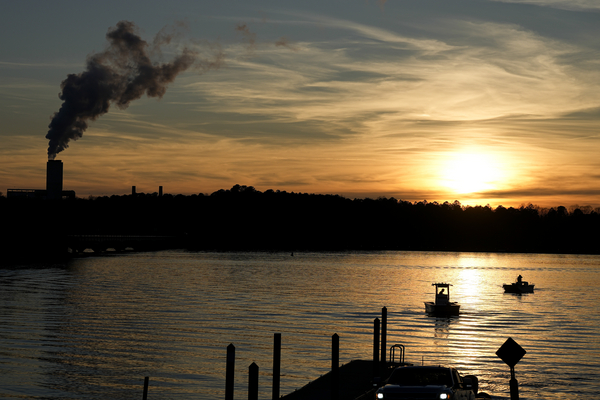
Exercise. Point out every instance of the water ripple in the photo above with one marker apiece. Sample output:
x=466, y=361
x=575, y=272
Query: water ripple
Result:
x=94, y=328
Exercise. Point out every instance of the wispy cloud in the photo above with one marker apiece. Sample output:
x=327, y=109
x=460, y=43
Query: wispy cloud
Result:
x=357, y=104
x=504, y=90
x=576, y=5
x=8, y=64
x=511, y=72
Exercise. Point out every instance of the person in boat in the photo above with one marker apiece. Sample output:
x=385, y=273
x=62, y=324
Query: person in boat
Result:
x=441, y=297
x=519, y=279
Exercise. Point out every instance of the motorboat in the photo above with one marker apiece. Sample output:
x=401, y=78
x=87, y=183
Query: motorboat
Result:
x=520, y=286
x=442, y=305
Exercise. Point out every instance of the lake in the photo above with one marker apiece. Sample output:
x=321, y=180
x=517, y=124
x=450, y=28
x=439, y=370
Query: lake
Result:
x=95, y=327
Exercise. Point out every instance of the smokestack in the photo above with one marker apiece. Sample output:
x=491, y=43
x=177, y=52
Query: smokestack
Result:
x=54, y=179
x=160, y=191
x=133, y=191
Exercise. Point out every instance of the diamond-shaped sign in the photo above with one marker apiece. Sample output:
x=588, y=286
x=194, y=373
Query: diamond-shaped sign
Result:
x=510, y=352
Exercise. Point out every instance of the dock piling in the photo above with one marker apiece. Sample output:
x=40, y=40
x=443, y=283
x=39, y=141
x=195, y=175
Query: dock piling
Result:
x=253, y=382
x=335, y=367
x=229, y=372
x=376, y=347
x=276, y=365
x=383, y=335
x=146, y=382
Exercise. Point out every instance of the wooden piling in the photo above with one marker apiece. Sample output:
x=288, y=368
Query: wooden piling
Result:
x=335, y=367
x=383, y=335
x=253, y=382
x=230, y=372
x=276, y=365
x=376, y=347
x=146, y=382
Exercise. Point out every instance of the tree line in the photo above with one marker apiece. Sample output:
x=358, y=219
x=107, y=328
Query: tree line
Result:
x=243, y=218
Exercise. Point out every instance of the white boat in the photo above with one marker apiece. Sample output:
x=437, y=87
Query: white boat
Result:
x=442, y=305
x=520, y=286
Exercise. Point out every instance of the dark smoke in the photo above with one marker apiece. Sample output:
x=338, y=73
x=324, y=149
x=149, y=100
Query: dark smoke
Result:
x=250, y=37
x=284, y=42
x=119, y=75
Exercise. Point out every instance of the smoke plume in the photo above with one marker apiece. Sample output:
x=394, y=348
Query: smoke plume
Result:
x=284, y=42
x=250, y=37
x=120, y=74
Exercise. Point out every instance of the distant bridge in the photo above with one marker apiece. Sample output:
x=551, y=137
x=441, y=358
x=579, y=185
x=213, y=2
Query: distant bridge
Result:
x=101, y=243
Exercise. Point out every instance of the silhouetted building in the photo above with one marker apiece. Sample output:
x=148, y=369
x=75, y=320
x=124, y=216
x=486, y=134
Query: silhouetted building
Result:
x=54, y=179
x=54, y=185
x=26, y=193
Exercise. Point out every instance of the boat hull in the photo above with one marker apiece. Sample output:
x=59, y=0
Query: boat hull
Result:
x=442, y=309
x=516, y=288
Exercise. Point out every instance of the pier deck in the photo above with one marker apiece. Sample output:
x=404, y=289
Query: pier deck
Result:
x=355, y=384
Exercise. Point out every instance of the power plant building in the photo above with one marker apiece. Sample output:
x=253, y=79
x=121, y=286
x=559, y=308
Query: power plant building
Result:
x=54, y=179
x=54, y=185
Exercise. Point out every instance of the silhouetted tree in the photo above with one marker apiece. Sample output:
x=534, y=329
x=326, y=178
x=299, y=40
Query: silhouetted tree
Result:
x=243, y=218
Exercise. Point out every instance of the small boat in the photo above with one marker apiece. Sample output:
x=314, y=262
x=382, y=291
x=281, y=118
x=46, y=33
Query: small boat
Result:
x=520, y=286
x=442, y=305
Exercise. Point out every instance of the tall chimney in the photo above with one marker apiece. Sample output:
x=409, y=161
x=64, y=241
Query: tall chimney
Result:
x=160, y=191
x=54, y=179
x=133, y=193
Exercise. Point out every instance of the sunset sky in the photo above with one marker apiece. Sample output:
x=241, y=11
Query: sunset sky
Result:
x=480, y=101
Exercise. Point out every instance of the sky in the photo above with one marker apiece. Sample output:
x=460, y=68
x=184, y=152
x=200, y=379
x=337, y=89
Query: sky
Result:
x=482, y=101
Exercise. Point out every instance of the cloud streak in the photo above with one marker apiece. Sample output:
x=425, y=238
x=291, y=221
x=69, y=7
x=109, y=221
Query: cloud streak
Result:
x=371, y=102
x=575, y=5
x=520, y=75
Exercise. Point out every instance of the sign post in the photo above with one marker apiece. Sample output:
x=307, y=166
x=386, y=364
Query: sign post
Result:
x=511, y=353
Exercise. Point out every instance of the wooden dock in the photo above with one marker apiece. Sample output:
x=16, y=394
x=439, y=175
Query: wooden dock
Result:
x=355, y=384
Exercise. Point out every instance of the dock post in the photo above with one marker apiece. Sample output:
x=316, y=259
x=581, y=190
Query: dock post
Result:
x=229, y=372
x=376, y=347
x=383, y=335
x=335, y=367
x=276, y=365
x=253, y=382
x=145, y=394
x=514, y=385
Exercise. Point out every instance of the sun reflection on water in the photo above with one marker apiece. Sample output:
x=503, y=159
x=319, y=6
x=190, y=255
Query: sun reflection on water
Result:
x=171, y=315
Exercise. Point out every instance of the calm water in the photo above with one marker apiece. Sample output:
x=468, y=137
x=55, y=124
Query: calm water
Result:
x=94, y=328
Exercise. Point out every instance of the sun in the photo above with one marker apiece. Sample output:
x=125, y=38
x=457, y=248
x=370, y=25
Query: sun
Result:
x=470, y=172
